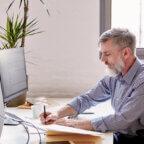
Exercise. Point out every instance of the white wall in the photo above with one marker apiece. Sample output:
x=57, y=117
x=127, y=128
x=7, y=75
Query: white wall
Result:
x=63, y=61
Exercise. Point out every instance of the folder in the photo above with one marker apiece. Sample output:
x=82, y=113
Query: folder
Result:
x=73, y=135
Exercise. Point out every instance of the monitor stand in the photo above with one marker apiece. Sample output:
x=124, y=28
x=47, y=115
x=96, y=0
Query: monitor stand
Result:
x=10, y=121
x=17, y=101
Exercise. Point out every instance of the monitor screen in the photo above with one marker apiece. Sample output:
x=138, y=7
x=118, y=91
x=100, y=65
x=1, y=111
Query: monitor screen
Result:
x=13, y=73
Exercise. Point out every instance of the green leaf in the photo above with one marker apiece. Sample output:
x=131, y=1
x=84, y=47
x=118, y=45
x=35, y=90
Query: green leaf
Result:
x=10, y=6
x=12, y=34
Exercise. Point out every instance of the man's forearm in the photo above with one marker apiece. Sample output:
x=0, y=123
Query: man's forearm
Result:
x=66, y=111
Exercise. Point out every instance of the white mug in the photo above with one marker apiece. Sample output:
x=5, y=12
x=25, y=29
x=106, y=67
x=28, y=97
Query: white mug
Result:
x=37, y=109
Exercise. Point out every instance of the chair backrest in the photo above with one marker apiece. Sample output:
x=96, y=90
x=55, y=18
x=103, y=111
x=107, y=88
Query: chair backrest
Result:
x=1, y=111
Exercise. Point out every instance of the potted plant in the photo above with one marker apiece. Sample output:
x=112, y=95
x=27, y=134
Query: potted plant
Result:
x=17, y=29
x=12, y=34
x=25, y=4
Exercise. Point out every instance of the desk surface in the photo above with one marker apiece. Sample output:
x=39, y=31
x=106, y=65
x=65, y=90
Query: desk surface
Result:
x=17, y=134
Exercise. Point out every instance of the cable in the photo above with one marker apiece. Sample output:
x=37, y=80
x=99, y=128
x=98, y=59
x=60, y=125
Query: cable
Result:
x=26, y=128
x=36, y=130
x=24, y=124
x=19, y=120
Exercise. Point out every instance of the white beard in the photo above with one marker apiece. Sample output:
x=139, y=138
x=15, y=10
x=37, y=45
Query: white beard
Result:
x=117, y=68
x=110, y=72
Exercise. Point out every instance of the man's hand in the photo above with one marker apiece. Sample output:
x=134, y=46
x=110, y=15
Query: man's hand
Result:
x=48, y=118
x=82, y=124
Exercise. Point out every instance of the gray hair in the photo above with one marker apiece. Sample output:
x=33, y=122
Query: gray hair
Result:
x=120, y=37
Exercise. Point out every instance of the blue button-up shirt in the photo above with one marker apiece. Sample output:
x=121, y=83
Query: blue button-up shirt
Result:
x=127, y=99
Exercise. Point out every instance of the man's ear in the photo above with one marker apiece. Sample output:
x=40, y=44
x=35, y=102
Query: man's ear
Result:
x=126, y=52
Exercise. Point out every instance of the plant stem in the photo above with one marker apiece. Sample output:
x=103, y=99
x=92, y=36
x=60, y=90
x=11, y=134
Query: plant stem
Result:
x=26, y=8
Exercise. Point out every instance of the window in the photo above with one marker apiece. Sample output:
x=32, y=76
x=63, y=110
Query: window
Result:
x=130, y=14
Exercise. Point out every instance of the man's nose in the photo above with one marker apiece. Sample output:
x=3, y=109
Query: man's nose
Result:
x=103, y=58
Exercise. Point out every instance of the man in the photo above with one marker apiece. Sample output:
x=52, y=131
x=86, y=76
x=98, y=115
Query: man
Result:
x=125, y=88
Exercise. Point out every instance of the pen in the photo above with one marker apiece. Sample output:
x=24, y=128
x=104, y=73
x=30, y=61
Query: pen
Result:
x=87, y=113
x=45, y=114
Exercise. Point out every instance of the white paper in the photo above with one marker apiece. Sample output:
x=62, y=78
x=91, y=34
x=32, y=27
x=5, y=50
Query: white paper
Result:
x=66, y=129
x=54, y=128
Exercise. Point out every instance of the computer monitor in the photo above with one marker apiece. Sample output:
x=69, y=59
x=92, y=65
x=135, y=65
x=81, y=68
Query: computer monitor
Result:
x=1, y=111
x=13, y=73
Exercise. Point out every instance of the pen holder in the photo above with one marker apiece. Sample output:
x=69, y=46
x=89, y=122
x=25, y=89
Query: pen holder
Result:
x=37, y=109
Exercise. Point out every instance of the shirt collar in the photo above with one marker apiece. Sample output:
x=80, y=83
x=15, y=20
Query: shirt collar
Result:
x=128, y=77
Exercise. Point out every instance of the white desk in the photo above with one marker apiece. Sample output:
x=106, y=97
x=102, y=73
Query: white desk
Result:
x=17, y=134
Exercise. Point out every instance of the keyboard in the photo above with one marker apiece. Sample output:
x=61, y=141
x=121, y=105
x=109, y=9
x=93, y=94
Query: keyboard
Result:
x=11, y=119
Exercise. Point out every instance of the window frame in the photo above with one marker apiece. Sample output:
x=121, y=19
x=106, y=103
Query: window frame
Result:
x=105, y=15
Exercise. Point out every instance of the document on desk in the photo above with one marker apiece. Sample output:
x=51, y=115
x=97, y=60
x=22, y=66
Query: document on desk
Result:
x=64, y=133
x=55, y=129
x=56, y=132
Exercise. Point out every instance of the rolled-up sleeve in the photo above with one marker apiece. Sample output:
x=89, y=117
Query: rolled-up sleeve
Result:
x=100, y=93
x=99, y=125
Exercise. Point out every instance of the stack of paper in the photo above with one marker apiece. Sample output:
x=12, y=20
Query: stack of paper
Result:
x=56, y=133
x=74, y=135
x=54, y=129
